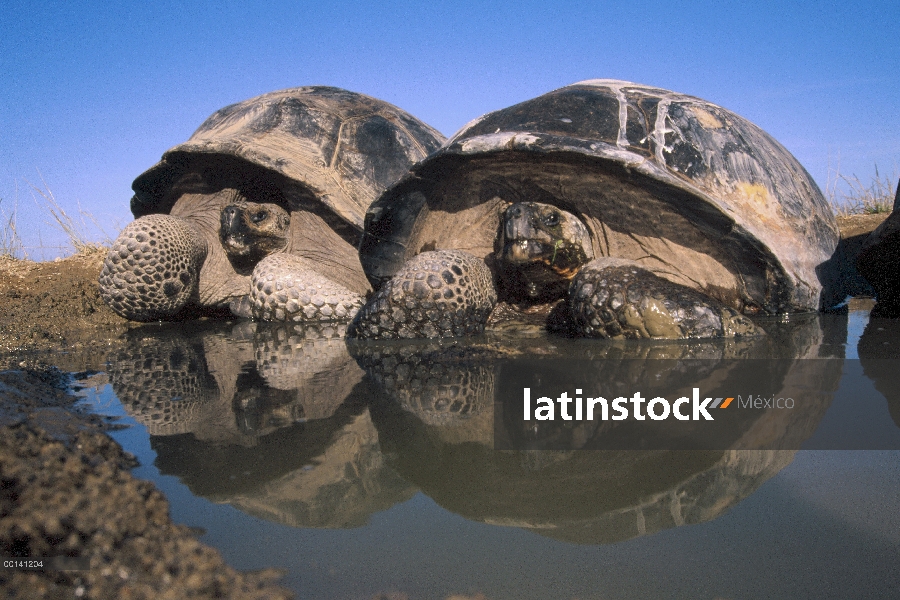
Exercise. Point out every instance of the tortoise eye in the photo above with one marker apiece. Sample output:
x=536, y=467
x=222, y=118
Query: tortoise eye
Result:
x=259, y=216
x=551, y=219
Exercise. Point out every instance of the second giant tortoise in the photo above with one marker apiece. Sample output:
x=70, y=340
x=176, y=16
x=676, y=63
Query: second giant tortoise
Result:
x=260, y=211
x=649, y=213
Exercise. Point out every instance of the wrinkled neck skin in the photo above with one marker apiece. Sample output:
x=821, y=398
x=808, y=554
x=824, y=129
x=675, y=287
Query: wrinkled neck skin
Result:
x=541, y=249
x=219, y=282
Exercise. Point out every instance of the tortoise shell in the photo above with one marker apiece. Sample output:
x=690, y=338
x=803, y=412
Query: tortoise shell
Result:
x=342, y=148
x=692, y=191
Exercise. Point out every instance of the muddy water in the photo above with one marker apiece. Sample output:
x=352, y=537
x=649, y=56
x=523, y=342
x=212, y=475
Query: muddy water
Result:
x=368, y=471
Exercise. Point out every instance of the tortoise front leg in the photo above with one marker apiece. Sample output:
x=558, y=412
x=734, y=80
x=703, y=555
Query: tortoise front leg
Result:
x=152, y=270
x=616, y=298
x=437, y=294
x=284, y=287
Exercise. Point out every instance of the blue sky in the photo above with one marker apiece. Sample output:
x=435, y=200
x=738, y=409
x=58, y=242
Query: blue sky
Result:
x=93, y=93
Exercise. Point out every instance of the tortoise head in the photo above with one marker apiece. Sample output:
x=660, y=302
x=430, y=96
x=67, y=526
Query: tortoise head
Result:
x=542, y=247
x=250, y=231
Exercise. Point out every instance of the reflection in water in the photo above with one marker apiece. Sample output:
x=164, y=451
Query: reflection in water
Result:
x=164, y=381
x=232, y=384
x=324, y=473
x=311, y=361
x=449, y=387
x=879, y=354
x=437, y=403
x=271, y=419
x=577, y=496
x=343, y=483
x=284, y=424
x=435, y=417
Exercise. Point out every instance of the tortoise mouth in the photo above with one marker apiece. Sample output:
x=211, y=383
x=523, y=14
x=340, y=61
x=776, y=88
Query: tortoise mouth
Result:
x=538, y=270
x=236, y=244
x=533, y=282
x=523, y=251
x=559, y=258
x=245, y=251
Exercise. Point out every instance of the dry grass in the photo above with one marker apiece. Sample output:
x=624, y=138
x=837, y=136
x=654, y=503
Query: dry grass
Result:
x=857, y=198
x=10, y=241
x=76, y=229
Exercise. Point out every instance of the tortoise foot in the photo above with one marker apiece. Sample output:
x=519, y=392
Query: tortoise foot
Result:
x=284, y=287
x=153, y=268
x=615, y=298
x=438, y=294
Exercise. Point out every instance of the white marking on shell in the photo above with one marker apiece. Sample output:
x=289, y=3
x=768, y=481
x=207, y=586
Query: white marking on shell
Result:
x=498, y=141
x=626, y=157
x=622, y=138
x=660, y=130
x=608, y=83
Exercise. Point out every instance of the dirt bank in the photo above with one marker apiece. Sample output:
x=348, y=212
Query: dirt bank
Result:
x=65, y=486
x=66, y=490
x=54, y=305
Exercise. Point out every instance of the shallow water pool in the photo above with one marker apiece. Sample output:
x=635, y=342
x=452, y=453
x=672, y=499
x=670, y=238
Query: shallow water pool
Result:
x=370, y=471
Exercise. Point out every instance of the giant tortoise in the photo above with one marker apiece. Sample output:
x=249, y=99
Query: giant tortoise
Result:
x=649, y=213
x=260, y=211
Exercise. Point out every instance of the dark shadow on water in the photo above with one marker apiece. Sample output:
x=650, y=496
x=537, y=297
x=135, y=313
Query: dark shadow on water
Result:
x=879, y=353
